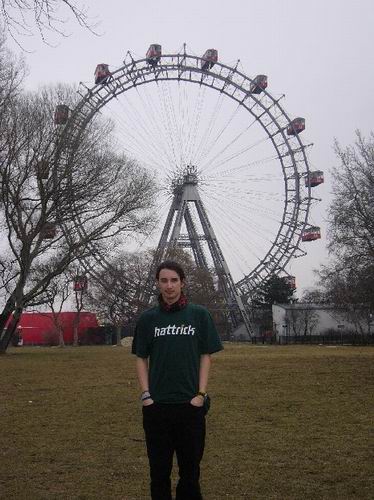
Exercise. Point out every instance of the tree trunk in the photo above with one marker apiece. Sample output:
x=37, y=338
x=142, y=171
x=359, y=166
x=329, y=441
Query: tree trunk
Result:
x=75, y=330
x=118, y=331
x=4, y=318
x=61, y=342
x=79, y=307
x=8, y=333
x=14, y=305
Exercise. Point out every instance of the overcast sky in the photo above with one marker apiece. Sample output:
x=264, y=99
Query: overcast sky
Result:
x=319, y=54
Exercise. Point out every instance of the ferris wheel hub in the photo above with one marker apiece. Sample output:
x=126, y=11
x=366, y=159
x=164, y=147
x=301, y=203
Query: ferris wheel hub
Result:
x=188, y=175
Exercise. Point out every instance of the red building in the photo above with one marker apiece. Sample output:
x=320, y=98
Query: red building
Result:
x=39, y=328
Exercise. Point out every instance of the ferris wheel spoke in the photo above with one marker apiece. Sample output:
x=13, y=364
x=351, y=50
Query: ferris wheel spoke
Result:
x=210, y=163
x=248, y=250
x=255, y=203
x=238, y=209
x=150, y=137
x=248, y=198
x=208, y=131
x=135, y=126
x=233, y=170
x=159, y=136
x=175, y=120
x=233, y=233
x=241, y=181
x=239, y=258
x=243, y=195
x=209, y=146
x=261, y=210
x=131, y=147
x=160, y=214
x=183, y=113
x=236, y=155
x=251, y=235
x=190, y=110
x=170, y=123
x=195, y=124
x=139, y=142
x=188, y=105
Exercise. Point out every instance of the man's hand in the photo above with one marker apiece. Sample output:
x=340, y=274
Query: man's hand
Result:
x=197, y=401
x=148, y=402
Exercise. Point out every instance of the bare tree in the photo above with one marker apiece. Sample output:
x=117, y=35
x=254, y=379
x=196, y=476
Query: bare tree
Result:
x=57, y=204
x=12, y=73
x=348, y=279
x=303, y=320
x=57, y=293
x=314, y=296
x=350, y=290
x=351, y=214
x=25, y=18
x=115, y=295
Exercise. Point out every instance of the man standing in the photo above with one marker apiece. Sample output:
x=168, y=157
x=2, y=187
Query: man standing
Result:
x=173, y=343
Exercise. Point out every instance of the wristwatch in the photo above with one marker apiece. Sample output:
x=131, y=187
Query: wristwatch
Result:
x=203, y=394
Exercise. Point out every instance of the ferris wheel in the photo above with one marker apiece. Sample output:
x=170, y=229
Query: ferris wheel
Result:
x=228, y=158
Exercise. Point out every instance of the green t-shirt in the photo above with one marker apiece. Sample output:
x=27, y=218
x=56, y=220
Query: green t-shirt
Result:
x=174, y=341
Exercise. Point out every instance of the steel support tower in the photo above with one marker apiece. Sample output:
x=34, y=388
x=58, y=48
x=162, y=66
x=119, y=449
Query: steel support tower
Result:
x=185, y=197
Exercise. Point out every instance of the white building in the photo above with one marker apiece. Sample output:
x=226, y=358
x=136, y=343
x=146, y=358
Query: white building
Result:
x=296, y=320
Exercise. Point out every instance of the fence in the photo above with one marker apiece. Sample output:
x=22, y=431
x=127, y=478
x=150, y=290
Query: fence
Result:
x=328, y=339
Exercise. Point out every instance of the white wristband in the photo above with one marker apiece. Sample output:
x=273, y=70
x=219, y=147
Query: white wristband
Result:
x=145, y=395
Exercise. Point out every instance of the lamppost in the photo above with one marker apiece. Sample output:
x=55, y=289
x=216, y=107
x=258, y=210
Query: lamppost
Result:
x=80, y=284
x=341, y=327
x=285, y=332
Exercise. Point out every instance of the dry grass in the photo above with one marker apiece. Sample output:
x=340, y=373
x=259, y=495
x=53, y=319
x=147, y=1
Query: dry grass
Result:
x=286, y=423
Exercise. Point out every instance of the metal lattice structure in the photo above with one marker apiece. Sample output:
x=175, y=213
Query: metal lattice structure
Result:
x=269, y=115
x=186, y=193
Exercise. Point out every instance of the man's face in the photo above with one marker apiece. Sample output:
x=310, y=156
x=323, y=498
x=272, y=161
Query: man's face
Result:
x=170, y=285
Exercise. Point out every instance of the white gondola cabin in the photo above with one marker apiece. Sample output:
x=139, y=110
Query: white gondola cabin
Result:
x=290, y=281
x=311, y=234
x=153, y=54
x=209, y=59
x=48, y=231
x=42, y=169
x=80, y=283
x=61, y=114
x=102, y=74
x=259, y=83
x=296, y=126
x=314, y=179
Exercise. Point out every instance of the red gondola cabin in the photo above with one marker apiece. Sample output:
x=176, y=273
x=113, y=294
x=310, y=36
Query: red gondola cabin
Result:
x=311, y=234
x=314, y=178
x=153, y=54
x=102, y=74
x=296, y=126
x=209, y=59
x=259, y=83
x=61, y=114
x=48, y=231
x=80, y=283
x=290, y=281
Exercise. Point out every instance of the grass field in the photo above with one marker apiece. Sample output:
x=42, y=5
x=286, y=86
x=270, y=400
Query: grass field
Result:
x=292, y=422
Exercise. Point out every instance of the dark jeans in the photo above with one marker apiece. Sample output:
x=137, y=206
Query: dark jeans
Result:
x=178, y=428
